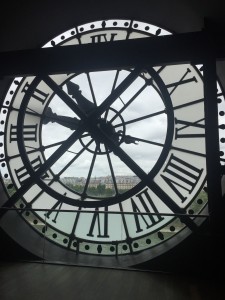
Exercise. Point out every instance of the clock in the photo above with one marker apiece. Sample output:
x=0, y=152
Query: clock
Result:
x=108, y=166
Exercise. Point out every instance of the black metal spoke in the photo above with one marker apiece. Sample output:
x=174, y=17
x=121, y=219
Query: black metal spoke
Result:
x=91, y=88
x=161, y=112
x=129, y=102
x=61, y=150
x=115, y=80
x=148, y=82
x=90, y=172
x=116, y=93
x=111, y=170
x=113, y=88
x=75, y=158
x=42, y=148
x=141, y=118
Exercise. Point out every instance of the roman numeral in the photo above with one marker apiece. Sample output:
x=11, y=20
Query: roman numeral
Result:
x=57, y=204
x=180, y=174
x=174, y=85
x=180, y=132
x=149, y=220
x=29, y=133
x=102, y=38
x=22, y=173
x=102, y=224
x=37, y=94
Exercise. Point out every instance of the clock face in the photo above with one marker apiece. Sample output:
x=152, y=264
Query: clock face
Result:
x=107, y=164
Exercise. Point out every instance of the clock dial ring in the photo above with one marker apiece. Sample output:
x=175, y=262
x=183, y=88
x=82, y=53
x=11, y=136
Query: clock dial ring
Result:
x=95, y=243
x=118, y=198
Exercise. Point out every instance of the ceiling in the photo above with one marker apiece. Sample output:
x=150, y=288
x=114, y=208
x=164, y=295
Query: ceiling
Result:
x=26, y=24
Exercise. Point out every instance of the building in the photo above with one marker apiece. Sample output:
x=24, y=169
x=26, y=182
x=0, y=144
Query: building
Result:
x=123, y=182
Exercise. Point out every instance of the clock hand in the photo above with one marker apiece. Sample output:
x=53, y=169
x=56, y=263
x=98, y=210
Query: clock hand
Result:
x=72, y=123
x=87, y=106
x=69, y=122
x=65, y=98
x=81, y=109
x=141, y=118
x=128, y=139
x=83, y=103
x=93, y=119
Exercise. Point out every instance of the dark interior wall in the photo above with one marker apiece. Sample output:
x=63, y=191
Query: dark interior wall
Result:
x=11, y=251
x=27, y=24
x=200, y=255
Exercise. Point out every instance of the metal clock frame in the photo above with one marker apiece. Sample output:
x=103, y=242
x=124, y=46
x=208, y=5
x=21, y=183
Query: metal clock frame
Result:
x=95, y=53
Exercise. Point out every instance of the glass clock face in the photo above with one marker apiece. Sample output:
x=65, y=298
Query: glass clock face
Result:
x=109, y=163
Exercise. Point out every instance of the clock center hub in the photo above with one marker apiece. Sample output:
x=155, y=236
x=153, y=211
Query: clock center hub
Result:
x=107, y=129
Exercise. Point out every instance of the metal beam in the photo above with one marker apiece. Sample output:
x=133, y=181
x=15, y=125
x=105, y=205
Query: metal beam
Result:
x=216, y=206
x=171, y=49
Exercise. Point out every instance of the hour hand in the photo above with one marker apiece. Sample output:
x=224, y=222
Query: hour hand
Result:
x=83, y=103
x=128, y=139
x=68, y=122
